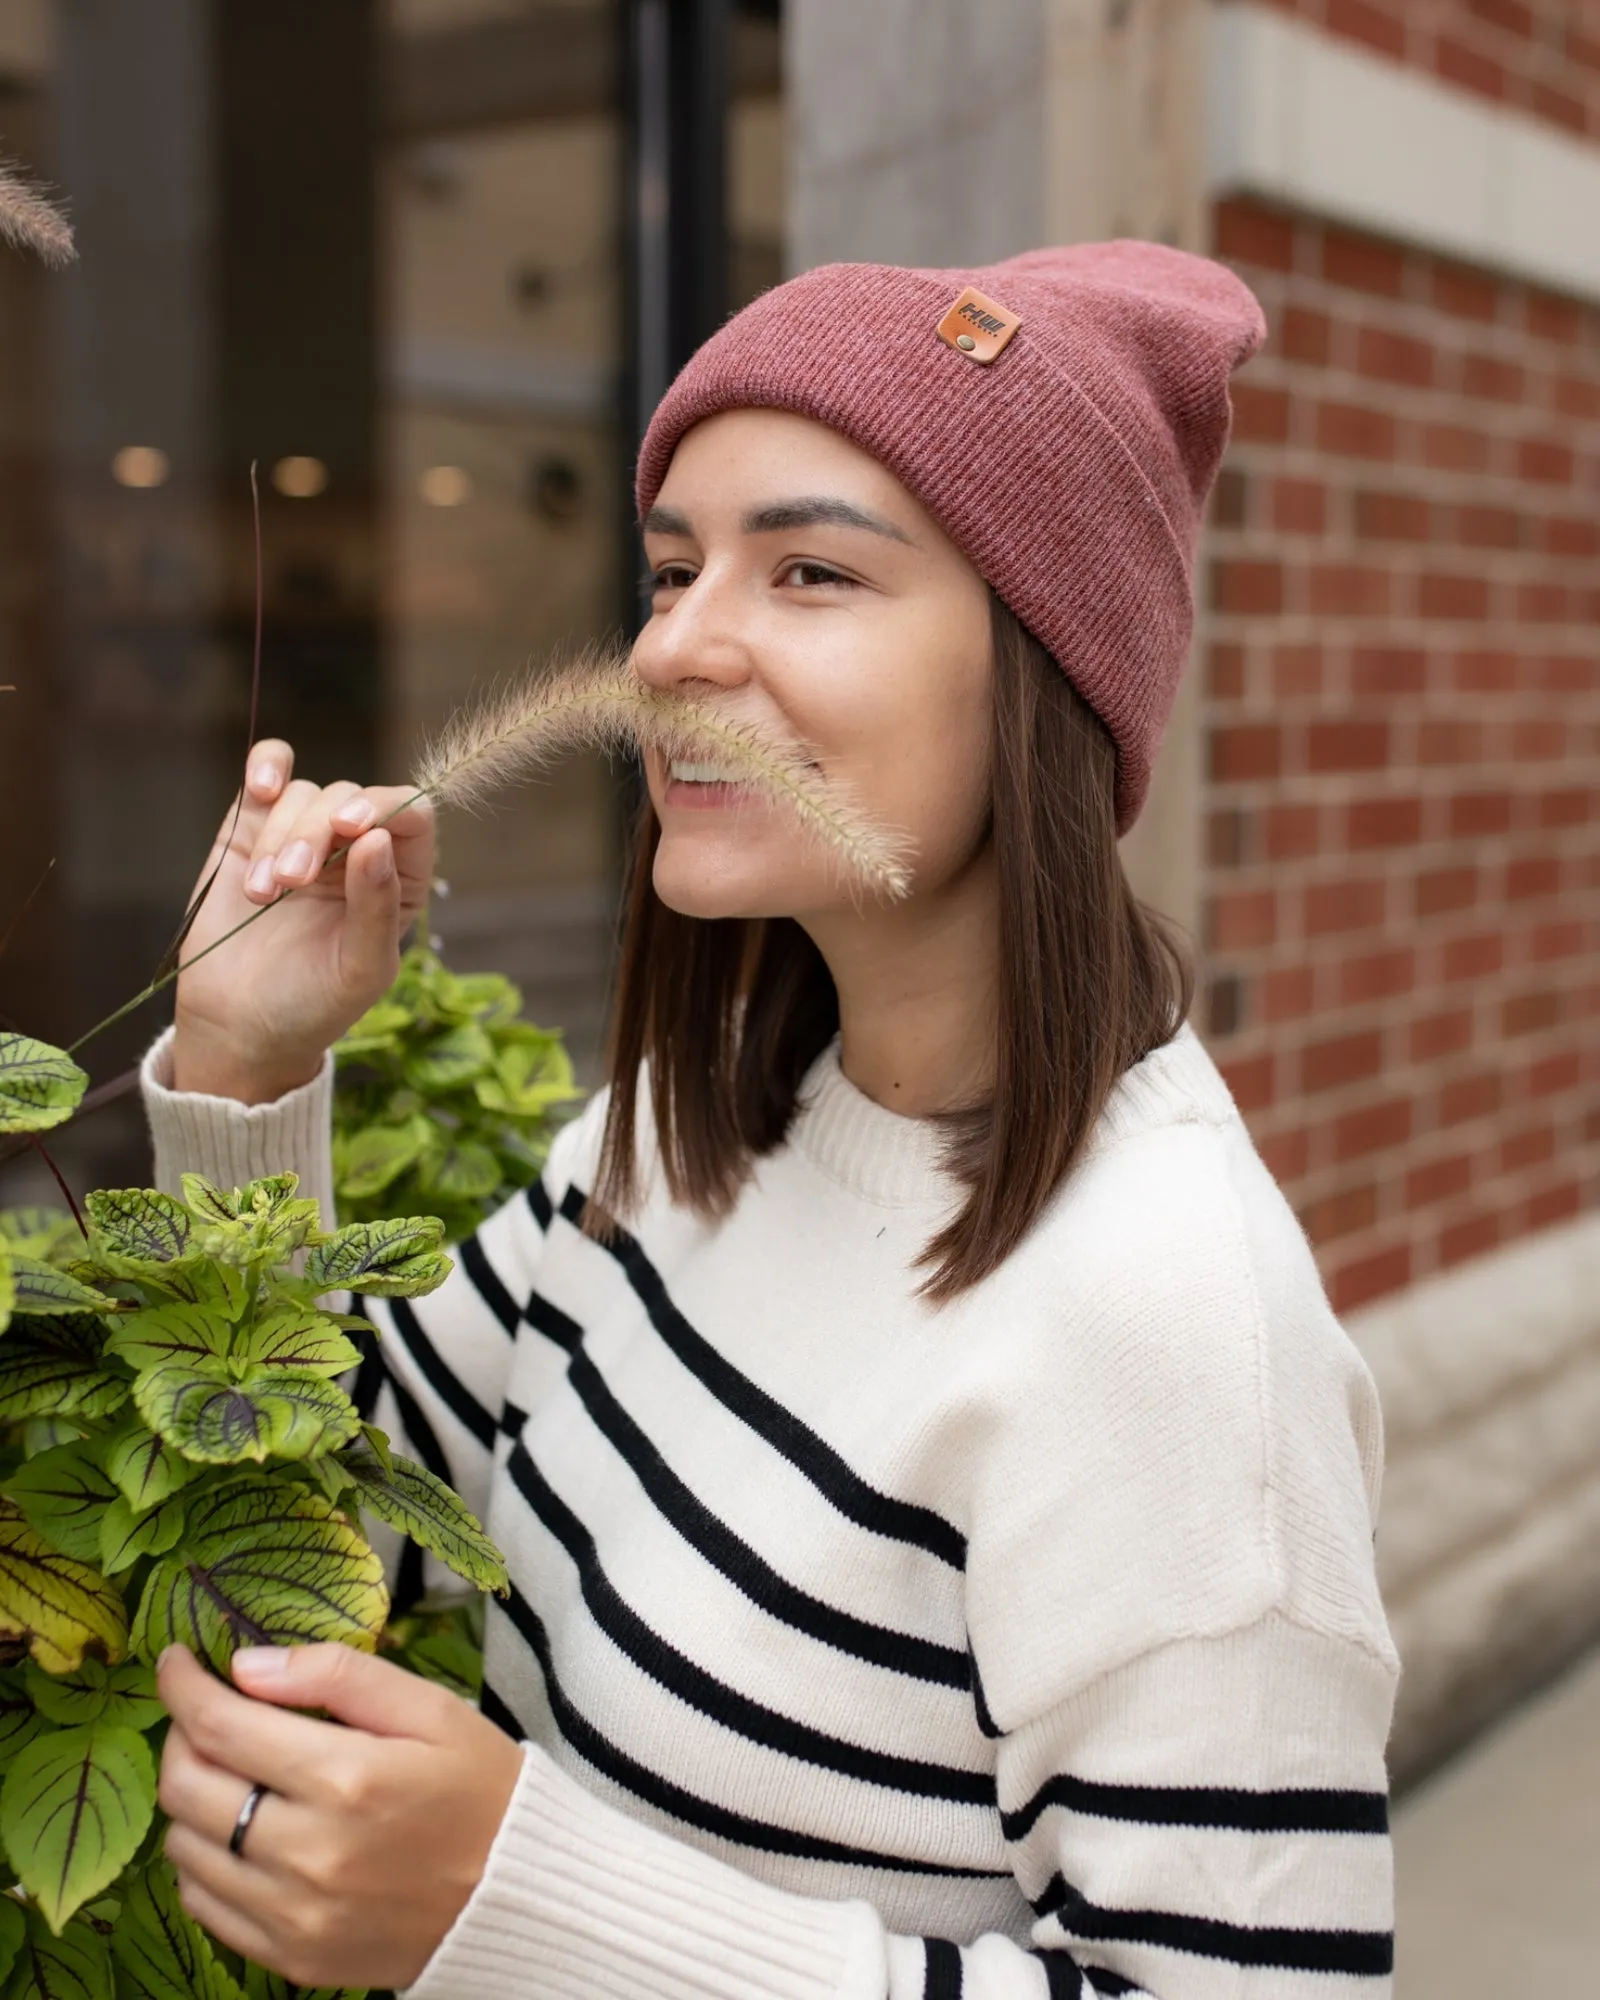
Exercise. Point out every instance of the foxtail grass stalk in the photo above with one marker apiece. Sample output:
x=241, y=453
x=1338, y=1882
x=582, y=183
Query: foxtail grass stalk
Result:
x=29, y=221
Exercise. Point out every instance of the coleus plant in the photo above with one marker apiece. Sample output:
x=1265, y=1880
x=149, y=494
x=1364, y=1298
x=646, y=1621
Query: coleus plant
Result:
x=179, y=1464
x=443, y=1098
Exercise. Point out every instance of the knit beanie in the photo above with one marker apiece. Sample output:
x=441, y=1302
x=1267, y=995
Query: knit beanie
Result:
x=1061, y=415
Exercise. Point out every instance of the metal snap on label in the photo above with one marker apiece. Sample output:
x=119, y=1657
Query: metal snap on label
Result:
x=977, y=327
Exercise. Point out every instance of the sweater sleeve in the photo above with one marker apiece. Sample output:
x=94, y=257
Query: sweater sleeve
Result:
x=1265, y=1887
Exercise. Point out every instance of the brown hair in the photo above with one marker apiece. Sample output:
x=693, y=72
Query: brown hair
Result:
x=730, y=1013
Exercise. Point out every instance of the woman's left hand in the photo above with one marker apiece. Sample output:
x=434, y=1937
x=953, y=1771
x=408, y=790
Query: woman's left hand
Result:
x=370, y=1837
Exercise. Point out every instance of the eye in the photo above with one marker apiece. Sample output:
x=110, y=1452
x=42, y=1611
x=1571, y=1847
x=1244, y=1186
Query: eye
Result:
x=670, y=576
x=808, y=575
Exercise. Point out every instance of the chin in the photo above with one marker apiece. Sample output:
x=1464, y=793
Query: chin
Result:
x=701, y=888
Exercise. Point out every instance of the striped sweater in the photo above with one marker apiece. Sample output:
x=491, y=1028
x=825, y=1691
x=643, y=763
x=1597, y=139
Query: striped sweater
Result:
x=1028, y=1646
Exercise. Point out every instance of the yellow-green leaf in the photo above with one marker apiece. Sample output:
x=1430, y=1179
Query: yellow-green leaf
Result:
x=64, y=1494
x=45, y=1288
x=20, y=1721
x=13, y=1931
x=382, y=1259
x=143, y=1467
x=74, y=1966
x=298, y=1338
x=8, y=1286
x=126, y=1535
x=208, y=1416
x=455, y=1057
x=39, y=1086
x=73, y=1810
x=161, y=1953
x=63, y=1608
x=141, y=1224
x=52, y=1368
x=93, y=1692
x=263, y=1563
x=172, y=1333
x=416, y=1503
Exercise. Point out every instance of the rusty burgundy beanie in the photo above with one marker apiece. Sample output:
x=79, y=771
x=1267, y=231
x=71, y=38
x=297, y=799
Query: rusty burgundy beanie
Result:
x=1063, y=426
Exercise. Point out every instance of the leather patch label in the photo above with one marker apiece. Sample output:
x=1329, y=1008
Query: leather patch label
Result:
x=977, y=327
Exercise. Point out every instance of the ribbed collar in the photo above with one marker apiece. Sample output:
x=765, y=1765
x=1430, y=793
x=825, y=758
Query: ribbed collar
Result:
x=897, y=1161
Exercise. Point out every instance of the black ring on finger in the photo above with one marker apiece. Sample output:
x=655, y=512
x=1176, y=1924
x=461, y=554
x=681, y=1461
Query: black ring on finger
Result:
x=247, y=1813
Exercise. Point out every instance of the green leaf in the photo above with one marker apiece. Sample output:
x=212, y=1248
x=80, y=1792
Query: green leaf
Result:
x=140, y=1224
x=382, y=1259
x=367, y=1161
x=263, y=1563
x=297, y=1338
x=465, y=1171
x=8, y=1287
x=450, y=1059
x=377, y=1032
x=532, y=1075
x=125, y=1535
x=13, y=1931
x=45, y=1433
x=39, y=1086
x=52, y=1367
x=73, y=1810
x=64, y=1494
x=20, y=1721
x=411, y=1499
x=487, y=997
x=172, y=1333
x=208, y=1201
x=74, y=1966
x=62, y=1607
x=208, y=1416
x=93, y=1692
x=143, y=1467
x=45, y=1288
x=50, y=1233
x=161, y=1953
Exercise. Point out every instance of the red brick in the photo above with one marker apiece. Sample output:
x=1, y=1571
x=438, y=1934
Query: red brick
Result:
x=1439, y=1180
x=1225, y=663
x=1552, y=1074
x=1292, y=832
x=1286, y=1155
x=1347, y=745
x=1349, y=590
x=1393, y=517
x=1551, y=318
x=1440, y=596
x=1306, y=336
x=1380, y=975
x=1243, y=920
x=1459, y=64
x=1544, y=604
x=1547, y=460
x=1532, y=1146
x=1394, y=357
x=1489, y=527
x=1508, y=14
x=1554, y=1204
x=1388, y=670
x=1247, y=587
x=1454, y=448
x=1571, y=535
x=1437, y=1035
x=1357, y=21
x=1260, y=414
x=1559, y=107
x=1531, y=1013
x=1383, y=823
x=1578, y=396
x=1341, y=1060
x=1567, y=808
x=1342, y=1214
x=1299, y=506
x=1475, y=815
x=1553, y=942
x=1296, y=671
x=1289, y=994
x=1441, y=889
x=1486, y=673
x=1363, y=263
x=1246, y=753
x=1539, y=742
x=1353, y=431
x=1251, y=1081
x=1474, y=956
x=1531, y=876
x=1372, y=1129
x=1368, y=1278
x=1336, y=907
x=1497, y=381
x=1442, y=740
x=1249, y=234
x=1228, y=838
x=1472, y=1236
x=1469, y=1097
x=1464, y=294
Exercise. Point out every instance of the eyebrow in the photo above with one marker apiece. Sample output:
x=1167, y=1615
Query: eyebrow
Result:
x=809, y=511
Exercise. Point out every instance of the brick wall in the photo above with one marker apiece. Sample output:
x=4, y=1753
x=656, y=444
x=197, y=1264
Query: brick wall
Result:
x=1541, y=56
x=1403, y=718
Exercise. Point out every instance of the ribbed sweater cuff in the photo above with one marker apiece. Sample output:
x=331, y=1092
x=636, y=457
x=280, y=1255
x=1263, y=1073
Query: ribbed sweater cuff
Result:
x=231, y=1143
x=578, y=1901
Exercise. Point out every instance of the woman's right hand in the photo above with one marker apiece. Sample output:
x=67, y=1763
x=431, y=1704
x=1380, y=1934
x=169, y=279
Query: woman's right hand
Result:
x=255, y=1017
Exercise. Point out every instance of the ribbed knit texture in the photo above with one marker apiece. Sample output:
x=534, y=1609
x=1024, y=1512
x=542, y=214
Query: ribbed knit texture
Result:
x=1071, y=470
x=874, y=1650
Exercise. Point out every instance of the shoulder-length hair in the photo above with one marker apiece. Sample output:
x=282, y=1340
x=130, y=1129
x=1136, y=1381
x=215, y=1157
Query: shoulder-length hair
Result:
x=726, y=1015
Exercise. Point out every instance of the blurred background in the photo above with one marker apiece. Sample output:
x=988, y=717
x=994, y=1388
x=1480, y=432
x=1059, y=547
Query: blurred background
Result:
x=430, y=263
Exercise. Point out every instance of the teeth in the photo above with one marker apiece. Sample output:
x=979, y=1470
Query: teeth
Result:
x=702, y=774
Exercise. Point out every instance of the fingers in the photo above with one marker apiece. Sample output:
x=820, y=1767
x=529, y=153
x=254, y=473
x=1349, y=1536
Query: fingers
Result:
x=290, y=1753
x=370, y=1694
x=309, y=825
x=205, y=1799
x=268, y=768
x=227, y=1924
x=369, y=948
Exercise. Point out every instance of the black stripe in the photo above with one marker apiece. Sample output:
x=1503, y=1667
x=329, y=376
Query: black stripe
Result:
x=1290, y=1811
x=495, y=1710
x=552, y=1322
x=701, y=1690
x=371, y=1380
x=653, y=1789
x=1062, y=1977
x=409, y=1584
x=487, y=1284
x=942, y=1980
x=880, y=1513
x=1104, y=1980
x=986, y=1722
x=902, y=1652
x=1364, y=1954
x=371, y=1374
x=539, y=1206
x=450, y=1390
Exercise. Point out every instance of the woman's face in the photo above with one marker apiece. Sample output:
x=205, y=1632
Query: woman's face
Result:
x=800, y=587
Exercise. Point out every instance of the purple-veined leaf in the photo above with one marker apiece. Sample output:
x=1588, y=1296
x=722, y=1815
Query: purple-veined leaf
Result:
x=74, y=1807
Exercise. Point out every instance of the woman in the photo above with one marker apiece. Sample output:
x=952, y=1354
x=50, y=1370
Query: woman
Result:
x=937, y=1494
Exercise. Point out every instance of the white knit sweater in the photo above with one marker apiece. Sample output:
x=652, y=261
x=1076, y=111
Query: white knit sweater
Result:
x=1025, y=1647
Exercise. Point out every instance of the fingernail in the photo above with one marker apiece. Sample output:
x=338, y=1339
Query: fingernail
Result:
x=354, y=812
x=264, y=777
x=261, y=1663
x=295, y=859
x=260, y=880
x=163, y=1656
x=381, y=866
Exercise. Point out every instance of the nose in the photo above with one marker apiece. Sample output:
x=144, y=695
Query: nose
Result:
x=698, y=644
